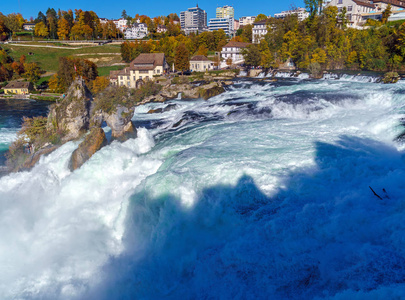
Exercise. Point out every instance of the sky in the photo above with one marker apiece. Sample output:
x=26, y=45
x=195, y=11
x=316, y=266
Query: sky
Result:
x=111, y=10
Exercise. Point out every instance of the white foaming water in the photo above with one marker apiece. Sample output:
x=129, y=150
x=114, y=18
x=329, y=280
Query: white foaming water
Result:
x=261, y=192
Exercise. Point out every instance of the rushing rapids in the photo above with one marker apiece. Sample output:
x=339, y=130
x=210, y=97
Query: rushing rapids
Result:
x=261, y=192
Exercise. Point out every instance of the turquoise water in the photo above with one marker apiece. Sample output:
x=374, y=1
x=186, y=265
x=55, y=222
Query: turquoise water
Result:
x=11, y=113
x=259, y=193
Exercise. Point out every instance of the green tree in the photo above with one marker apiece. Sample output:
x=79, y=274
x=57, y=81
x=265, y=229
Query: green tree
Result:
x=386, y=14
x=32, y=72
x=251, y=55
x=182, y=58
x=260, y=17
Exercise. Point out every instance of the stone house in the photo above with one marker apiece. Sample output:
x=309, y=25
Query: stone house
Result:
x=201, y=63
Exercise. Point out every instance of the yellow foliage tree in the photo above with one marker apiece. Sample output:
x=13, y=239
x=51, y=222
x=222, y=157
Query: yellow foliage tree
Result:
x=99, y=84
x=63, y=29
x=41, y=30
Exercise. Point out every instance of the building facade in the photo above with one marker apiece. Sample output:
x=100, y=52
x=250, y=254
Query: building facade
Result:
x=243, y=21
x=137, y=31
x=18, y=87
x=233, y=50
x=259, y=31
x=29, y=26
x=301, y=13
x=356, y=11
x=225, y=12
x=141, y=69
x=201, y=63
x=121, y=24
x=193, y=20
x=226, y=24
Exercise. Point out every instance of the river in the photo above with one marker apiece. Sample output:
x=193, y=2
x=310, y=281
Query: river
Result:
x=262, y=192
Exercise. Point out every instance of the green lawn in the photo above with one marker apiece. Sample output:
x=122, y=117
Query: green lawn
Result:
x=48, y=58
x=105, y=71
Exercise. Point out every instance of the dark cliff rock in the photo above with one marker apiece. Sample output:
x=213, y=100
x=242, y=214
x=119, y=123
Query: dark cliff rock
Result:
x=93, y=142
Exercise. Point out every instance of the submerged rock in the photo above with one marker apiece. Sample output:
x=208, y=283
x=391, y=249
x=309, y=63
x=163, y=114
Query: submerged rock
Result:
x=93, y=142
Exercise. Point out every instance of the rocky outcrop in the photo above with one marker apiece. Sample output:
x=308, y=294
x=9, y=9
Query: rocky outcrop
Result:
x=190, y=91
x=119, y=121
x=163, y=109
x=93, y=142
x=72, y=114
x=213, y=91
x=390, y=77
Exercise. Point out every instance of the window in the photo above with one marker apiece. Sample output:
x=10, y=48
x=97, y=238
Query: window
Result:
x=340, y=2
x=350, y=8
x=140, y=77
x=349, y=17
x=158, y=71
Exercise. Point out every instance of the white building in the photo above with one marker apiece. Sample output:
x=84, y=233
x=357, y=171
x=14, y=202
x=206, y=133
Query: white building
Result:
x=121, y=24
x=259, y=31
x=137, y=31
x=200, y=63
x=356, y=11
x=142, y=68
x=226, y=24
x=233, y=50
x=243, y=21
x=193, y=20
x=225, y=12
x=103, y=20
x=300, y=12
x=161, y=29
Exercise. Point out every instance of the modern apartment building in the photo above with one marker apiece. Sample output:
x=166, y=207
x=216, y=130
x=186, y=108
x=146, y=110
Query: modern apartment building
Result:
x=225, y=12
x=226, y=24
x=193, y=20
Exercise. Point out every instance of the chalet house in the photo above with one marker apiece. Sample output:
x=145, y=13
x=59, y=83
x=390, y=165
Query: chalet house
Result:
x=18, y=87
x=233, y=50
x=201, y=63
x=142, y=68
x=137, y=31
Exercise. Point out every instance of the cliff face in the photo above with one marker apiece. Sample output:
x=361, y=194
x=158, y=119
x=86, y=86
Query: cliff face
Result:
x=93, y=142
x=72, y=114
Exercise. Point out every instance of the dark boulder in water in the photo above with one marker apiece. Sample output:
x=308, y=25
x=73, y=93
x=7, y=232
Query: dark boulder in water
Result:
x=163, y=109
x=211, y=92
x=93, y=142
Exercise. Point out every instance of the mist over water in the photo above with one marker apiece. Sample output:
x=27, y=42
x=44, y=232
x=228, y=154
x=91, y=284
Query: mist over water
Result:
x=261, y=192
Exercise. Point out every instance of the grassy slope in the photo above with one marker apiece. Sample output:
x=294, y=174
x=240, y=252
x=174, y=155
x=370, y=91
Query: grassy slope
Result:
x=48, y=58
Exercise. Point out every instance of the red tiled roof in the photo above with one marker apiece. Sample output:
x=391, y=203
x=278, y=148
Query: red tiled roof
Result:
x=362, y=3
x=236, y=45
x=392, y=2
x=148, y=61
